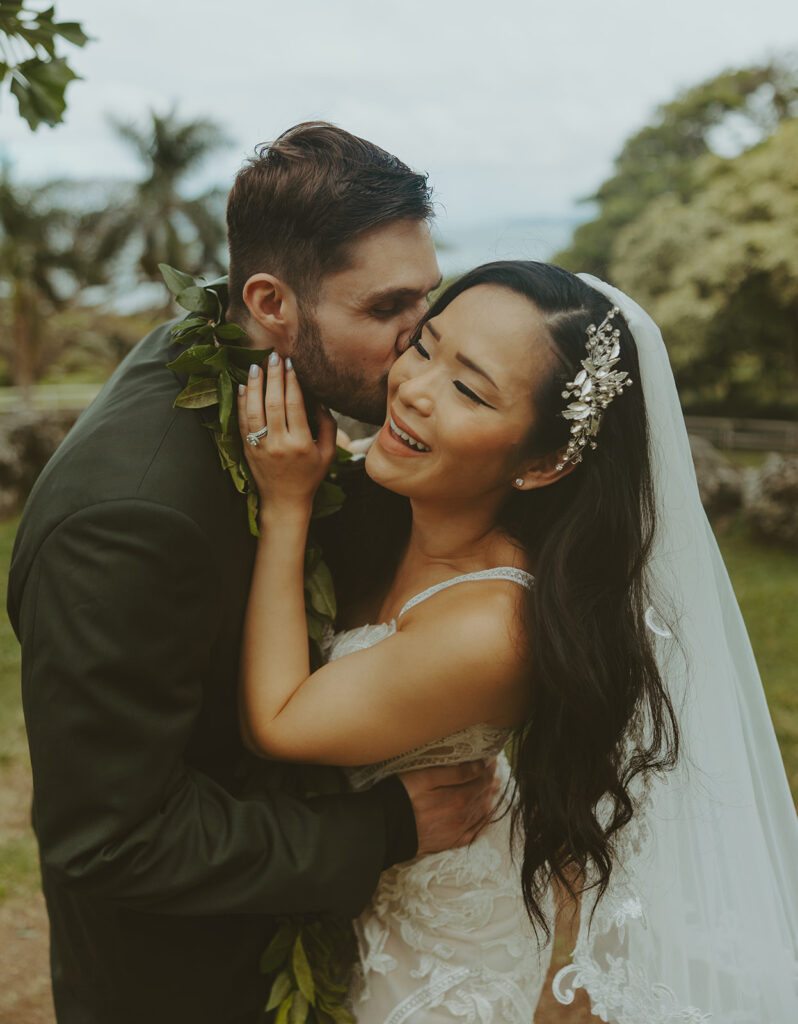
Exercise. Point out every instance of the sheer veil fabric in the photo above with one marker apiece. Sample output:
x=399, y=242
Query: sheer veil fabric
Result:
x=700, y=920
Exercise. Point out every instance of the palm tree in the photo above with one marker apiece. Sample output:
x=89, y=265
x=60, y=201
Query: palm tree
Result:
x=163, y=225
x=41, y=267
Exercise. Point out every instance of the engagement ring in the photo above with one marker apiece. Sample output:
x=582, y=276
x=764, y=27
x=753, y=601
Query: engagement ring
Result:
x=253, y=437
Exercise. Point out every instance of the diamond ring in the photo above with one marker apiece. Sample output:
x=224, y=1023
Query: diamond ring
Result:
x=254, y=436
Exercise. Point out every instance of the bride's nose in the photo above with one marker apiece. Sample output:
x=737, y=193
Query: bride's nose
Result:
x=416, y=392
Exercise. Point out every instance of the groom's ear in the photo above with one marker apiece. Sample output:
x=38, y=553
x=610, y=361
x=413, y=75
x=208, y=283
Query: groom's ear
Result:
x=273, y=306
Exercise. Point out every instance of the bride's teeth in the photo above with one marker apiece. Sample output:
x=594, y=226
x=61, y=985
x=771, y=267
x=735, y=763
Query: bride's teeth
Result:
x=406, y=437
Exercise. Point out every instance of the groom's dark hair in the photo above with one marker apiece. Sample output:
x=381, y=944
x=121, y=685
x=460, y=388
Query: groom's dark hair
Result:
x=299, y=203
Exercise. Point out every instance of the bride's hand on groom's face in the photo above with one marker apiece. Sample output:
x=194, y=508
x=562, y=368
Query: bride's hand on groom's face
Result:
x=287, y=464
x=452, y=804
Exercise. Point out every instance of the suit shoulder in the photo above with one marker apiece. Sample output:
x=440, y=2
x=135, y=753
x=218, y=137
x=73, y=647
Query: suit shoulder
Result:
x=132, y=444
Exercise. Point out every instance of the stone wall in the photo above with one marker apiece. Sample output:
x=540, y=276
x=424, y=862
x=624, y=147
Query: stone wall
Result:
x=27, y=440
x=720, y=483
x=771, y=501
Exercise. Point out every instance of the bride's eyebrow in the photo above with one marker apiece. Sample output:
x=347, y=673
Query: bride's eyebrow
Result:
x=464, y=359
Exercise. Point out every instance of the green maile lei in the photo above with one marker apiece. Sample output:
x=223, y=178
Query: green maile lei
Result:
x=307, y=957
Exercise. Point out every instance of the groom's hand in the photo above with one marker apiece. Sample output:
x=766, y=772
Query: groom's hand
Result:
x=452, y=804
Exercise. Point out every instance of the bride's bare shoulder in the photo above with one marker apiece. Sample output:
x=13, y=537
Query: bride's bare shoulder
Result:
x=492, y=606
x=476, y=629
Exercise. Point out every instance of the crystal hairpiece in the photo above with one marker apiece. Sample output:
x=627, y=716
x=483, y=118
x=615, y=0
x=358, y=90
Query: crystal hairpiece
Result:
x=594, y=387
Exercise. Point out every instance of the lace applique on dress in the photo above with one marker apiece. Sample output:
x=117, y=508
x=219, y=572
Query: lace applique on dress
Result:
x=446, y=937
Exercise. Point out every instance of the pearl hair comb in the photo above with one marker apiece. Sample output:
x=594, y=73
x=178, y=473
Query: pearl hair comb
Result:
x=594, y=387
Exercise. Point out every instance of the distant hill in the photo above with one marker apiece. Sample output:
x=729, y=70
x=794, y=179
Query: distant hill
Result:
x=465, y=245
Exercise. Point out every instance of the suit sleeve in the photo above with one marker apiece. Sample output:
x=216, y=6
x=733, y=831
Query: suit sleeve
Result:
x=116, y=623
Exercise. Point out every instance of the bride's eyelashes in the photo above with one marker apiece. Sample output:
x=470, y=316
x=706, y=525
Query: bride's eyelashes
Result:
x=462, y=388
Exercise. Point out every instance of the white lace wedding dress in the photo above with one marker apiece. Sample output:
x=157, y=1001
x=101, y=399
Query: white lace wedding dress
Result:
x=446, y=936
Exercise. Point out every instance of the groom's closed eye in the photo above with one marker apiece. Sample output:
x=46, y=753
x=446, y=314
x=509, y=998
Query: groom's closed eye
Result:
x=395, y=301
x=385, y=312
x=394, y=305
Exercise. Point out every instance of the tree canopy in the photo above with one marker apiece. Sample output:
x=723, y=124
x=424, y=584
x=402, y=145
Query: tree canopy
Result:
x=738, y=106
x=718, y=271
x=705, y=241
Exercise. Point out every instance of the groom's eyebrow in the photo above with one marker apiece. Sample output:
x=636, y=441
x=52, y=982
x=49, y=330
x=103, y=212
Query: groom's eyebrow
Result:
x=400, y=293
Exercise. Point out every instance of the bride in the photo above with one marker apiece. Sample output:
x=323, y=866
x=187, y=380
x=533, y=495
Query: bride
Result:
x=522, y=574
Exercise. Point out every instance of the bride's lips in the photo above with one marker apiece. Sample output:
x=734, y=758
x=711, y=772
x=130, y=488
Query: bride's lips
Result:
x=392, y=444
x=403, y=428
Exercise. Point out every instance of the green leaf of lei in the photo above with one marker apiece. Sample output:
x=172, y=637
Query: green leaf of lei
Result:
x=279, y=990
x=176, y=280
x=282, y=1013
x=300, y=1008
x=198, y=395
x=302, y=972
x=225, y=401
x=321, y=590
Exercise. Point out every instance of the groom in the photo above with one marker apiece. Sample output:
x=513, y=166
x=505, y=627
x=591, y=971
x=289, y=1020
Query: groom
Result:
x=162, y=867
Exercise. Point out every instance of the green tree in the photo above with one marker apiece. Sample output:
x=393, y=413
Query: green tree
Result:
x=662, y=157
x=29, y=61
x=158, y=220
x=718, y=271
x=42, y=265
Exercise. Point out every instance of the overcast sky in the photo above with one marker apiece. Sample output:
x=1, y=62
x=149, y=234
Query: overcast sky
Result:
x=515, y=107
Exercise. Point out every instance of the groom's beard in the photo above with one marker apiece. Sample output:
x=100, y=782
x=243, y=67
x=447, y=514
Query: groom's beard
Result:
x=336, y=386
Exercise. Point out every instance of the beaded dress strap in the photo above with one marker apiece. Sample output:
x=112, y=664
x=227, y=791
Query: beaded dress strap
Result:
x=503, y=572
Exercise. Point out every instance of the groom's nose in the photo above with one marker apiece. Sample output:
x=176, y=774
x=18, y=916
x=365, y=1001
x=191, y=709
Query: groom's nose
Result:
x=413, y=320
x=403, y=342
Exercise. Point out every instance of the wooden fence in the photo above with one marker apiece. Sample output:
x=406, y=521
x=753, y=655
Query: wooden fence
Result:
x=723, y=432
x=69, y=397
x=748, y=435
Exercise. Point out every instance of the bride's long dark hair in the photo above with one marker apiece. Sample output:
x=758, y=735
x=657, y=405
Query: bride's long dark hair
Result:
x=600, y=714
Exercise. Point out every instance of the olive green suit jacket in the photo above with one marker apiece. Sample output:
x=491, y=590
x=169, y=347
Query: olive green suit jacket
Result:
x=162, y=863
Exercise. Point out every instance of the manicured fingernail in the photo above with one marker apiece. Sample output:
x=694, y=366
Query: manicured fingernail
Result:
x=274, y=359
x=242, y=390
x=288, y=364
x=253, y=370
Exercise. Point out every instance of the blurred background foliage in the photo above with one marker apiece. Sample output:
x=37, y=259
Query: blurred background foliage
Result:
x=698, y=223
x=73, y=255
x=156, y=218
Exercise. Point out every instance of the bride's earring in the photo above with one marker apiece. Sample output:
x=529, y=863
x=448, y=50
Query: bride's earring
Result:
x=519, y=481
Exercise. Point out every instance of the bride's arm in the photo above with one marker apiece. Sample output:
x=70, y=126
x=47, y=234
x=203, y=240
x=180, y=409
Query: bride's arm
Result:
x=457, y=663
x=288, y=467
x=450, y=667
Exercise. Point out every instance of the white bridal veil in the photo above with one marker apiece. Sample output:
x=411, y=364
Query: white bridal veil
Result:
x=700, y=920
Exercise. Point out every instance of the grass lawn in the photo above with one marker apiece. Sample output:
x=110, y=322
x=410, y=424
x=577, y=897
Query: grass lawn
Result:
x=765, y=580
x=744, y=459
x=19, y=870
